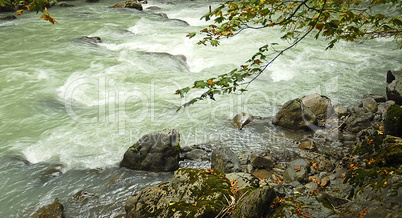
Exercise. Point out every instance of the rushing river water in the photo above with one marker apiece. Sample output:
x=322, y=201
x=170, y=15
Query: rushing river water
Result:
x=69, y=108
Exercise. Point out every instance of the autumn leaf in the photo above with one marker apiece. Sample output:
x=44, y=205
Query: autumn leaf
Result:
x=46, y=16
x=19, y=12
x=258, y=62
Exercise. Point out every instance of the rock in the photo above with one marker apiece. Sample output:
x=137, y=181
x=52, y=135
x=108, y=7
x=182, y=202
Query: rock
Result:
x=154, y=8
x=225, y=160
x=65, y=5
x=91, y=39
x=242, y=120
x=52, y=210
x=54, y=170
x=157, y=151
x=119, y=5
x=377, y=98
x=370, y=104
x=255, y=205
x=308, y=145
x=297, y=171
x=190, y=193
x=323, y=164
x=359, y=119
x=382, y=109
x=294, y=115
x=93, y=1
x=243, y=180
x=320, y=106
x=393, y=122
x=134, y=4
x=260, y=161
x=340, y=110
x=83, y=196
x=9, y=17
x=390, y=77
x=394, y=91
x=325, y=181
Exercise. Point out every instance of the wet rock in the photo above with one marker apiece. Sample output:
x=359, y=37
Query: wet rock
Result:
x=225, y=160
x=340, y=110
x=393, y=122
x=197, y=152
x=119, y=5
x=297, y=171
x=255, y=204
x=190, y=193
x=370, y=104
x=294, y=115
x=52, y=210
x=91, y=39
x=65, y=5
x=157, y=151
x=83, y=196
x=262, y=174
x=382, y=110
x=92, y=1
x=9, y=17
x=243, y=180
x=377, y=98
x=53, y=170
x=154, y=8
x=359, y=119
x=320, y=105
x=242, y=120
x=390, y=77
x=262, y=161
x=308, y=145
x=133, y=4
x=394, y=91
x=323, y=164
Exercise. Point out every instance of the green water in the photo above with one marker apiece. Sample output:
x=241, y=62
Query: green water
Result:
x=73, y=106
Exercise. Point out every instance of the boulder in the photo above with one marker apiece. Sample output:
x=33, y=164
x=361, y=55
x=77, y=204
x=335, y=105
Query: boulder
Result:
x=93, y=1
x=91, y=39
x=54, y=209
x=256, y=204
x=320, y=105
x=393, y=122
x=242, y=119
x=360, y=118
x=65, y=5
x=370, y=104
x=119, y=5
x=157, y=151
x=394, y=91
x=225, y=160
x=133, y=4
x=190, y=193
x=308, y=145
x=340, y=110
x=377, y=98
x=9, y=17
x=294, y=115
x=390, y=77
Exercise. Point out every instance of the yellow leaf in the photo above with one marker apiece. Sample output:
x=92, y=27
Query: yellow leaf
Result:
x=47, y=17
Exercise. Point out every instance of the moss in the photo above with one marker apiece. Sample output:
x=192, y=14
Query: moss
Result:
x=370, y=145
x=363, y=177
x=393, y=122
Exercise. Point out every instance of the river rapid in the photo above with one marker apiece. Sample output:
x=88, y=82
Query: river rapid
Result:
x=70, y=108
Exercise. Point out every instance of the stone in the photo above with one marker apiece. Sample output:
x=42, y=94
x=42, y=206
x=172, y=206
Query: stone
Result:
x=320, y=105
x=133, y=4
x=262, y=162
x=242, y=119
x=294, y=115
x=119, y=5
x=255, y=205
x=377, y=98
x=394, y=91
x=340, y=110
x=190, y=193
x=370, y=104
x=390, y=77
x=157, y=151
x=225, y=160
x=66, y=5
x=308, y=145
x=243, y=180
x=91, y=39
x=359, y=119
x=393, y=122
x=9, y=17
x=383, y=108
x=297, y=171
x=52, y=210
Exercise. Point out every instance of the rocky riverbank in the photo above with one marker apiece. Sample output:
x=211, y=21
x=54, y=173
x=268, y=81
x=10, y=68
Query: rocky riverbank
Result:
x=347, y=164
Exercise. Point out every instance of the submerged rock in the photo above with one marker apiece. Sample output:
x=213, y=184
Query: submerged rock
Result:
x=157, y=151
x=54, y=209
x=91, y=39
x=191, y=193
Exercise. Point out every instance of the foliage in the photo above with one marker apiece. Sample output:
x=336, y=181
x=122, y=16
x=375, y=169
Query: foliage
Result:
x=336, y=20
x=30, y=5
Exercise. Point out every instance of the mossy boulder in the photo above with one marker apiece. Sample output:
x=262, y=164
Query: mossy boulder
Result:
x=133, y=4
x=393, y=122
x=256, y=203
x=191, y=193
x=394, y=91
x=157, y=152
x=54, y=209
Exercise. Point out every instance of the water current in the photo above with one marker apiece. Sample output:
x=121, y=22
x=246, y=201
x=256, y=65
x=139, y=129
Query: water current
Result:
x=70, y=108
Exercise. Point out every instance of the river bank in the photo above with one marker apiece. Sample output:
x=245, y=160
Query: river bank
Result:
x=355, y=174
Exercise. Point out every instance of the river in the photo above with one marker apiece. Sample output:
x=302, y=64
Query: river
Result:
x=70, y=109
